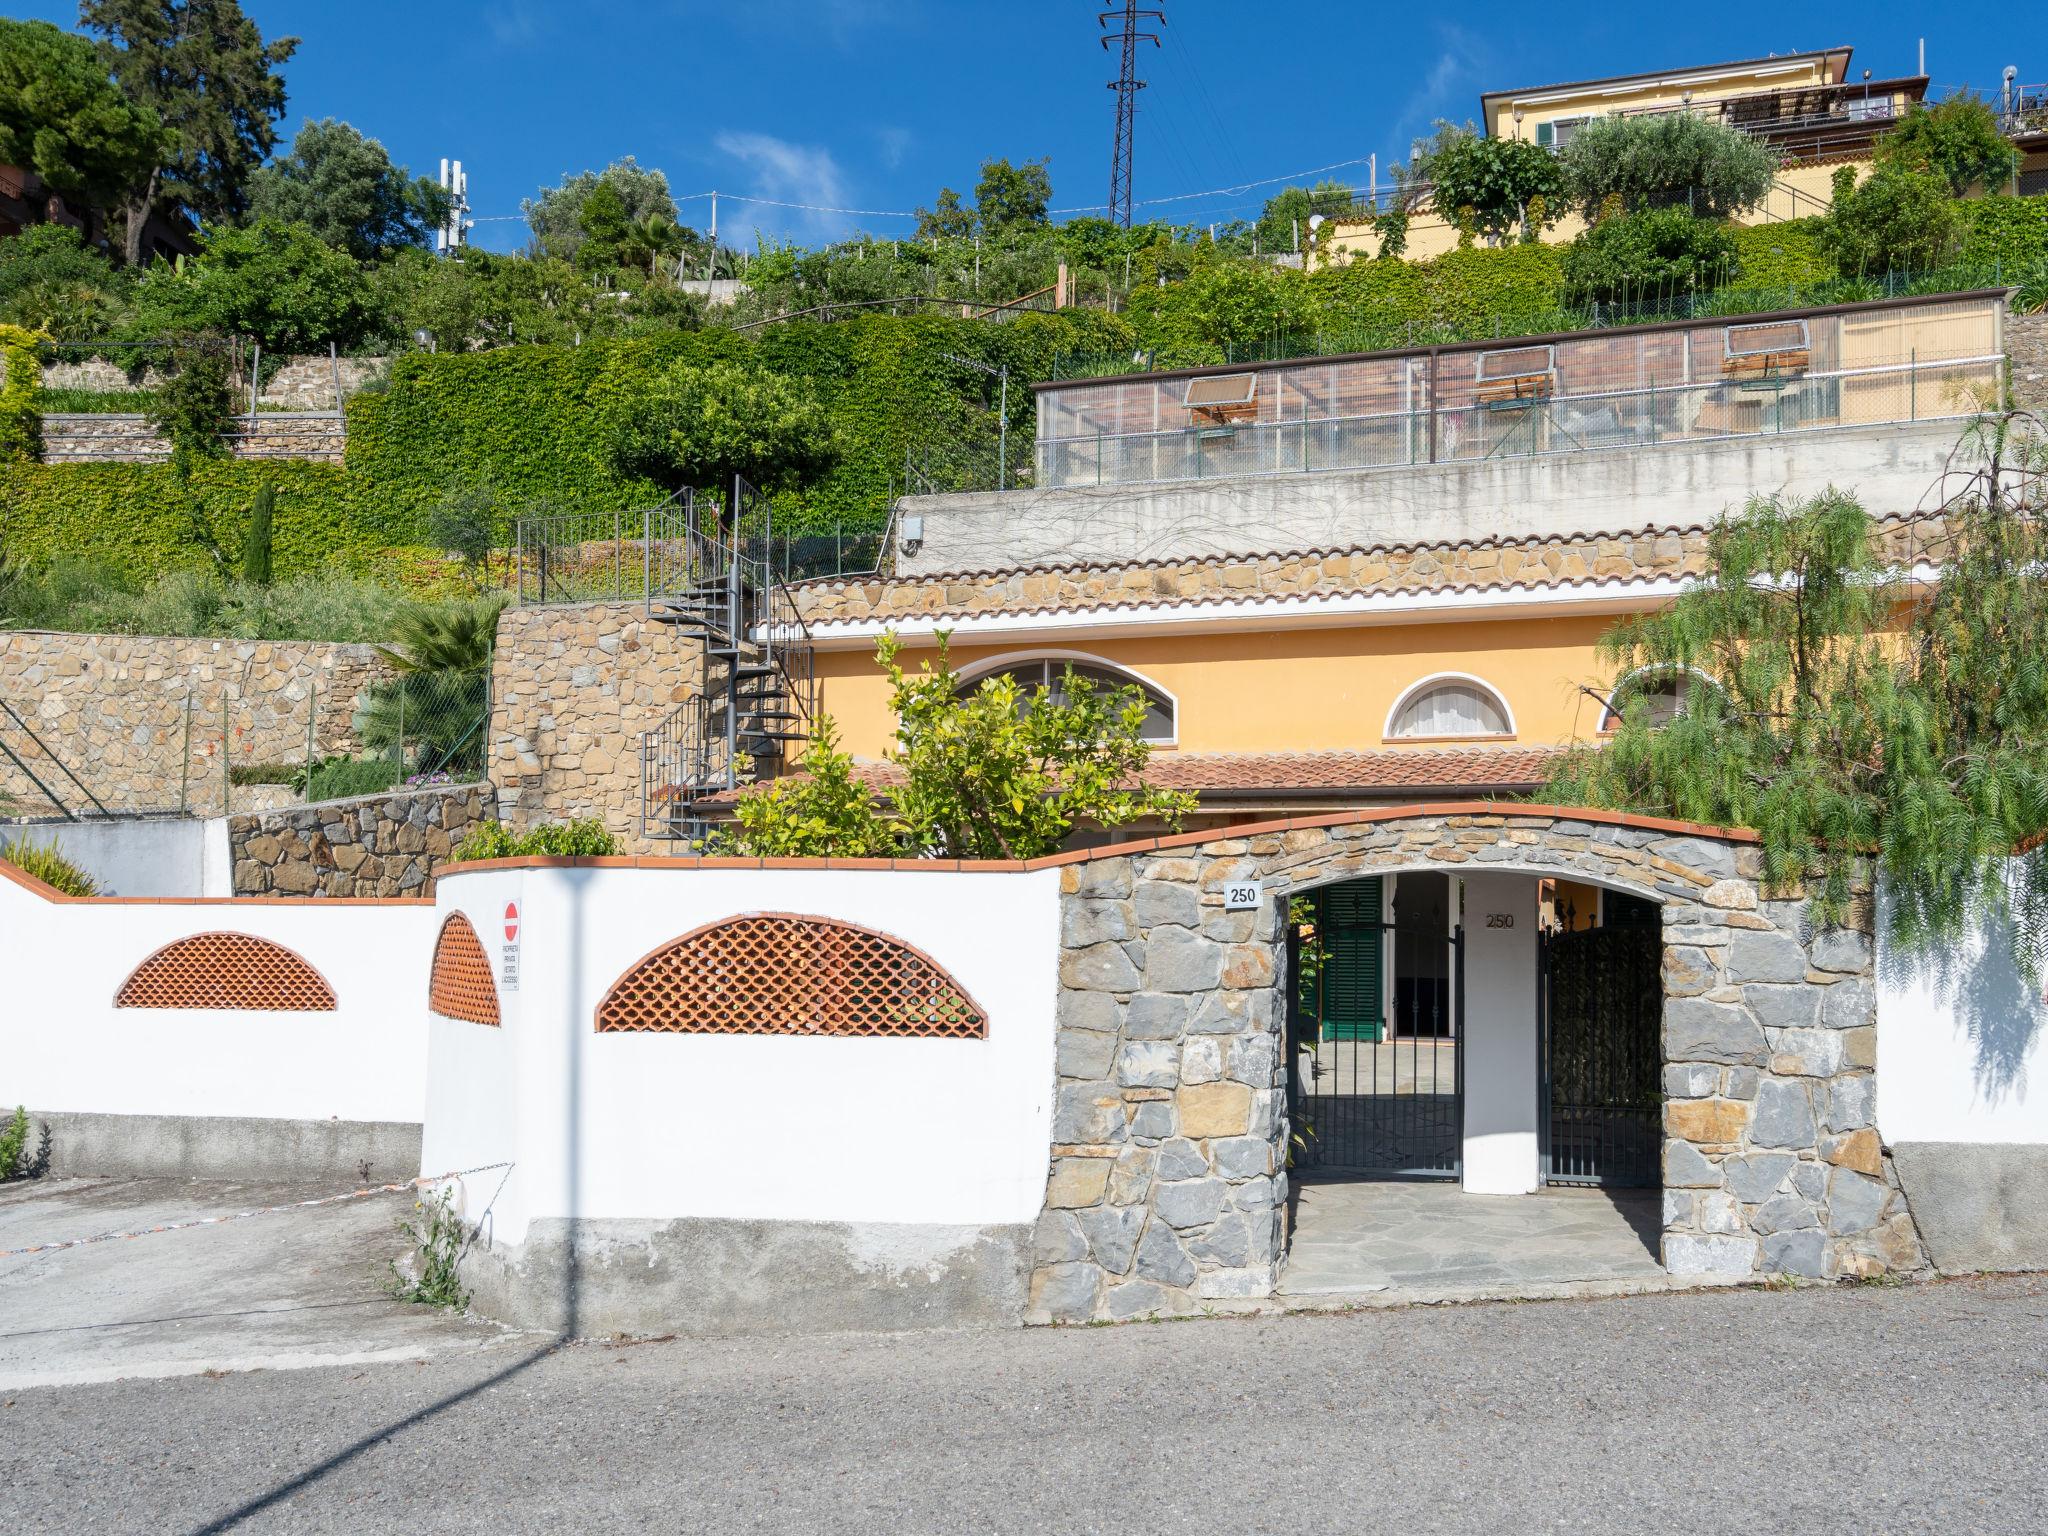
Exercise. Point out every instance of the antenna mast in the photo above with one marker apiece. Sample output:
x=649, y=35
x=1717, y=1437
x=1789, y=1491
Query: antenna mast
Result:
x=1126, y=85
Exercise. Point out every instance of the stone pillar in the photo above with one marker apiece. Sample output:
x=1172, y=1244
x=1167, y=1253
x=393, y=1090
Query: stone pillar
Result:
x=1500, y=1036
x=1169, y=1132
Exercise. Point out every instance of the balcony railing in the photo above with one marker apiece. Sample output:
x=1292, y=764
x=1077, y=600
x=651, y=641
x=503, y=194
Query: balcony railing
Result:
x=1724, y=408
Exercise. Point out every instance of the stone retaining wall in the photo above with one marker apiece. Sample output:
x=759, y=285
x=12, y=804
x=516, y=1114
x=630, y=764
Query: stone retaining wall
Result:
x=1168, y=1184
x=299, y=384
x=114, y=709
x=372, y=845
x=573, y=690
x=91, y=439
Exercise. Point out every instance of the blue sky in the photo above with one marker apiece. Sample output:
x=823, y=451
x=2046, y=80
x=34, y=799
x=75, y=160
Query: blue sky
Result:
x=875, y=104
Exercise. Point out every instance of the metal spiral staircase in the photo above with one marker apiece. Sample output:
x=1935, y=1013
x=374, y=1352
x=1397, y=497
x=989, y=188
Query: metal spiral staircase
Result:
x=713, y=577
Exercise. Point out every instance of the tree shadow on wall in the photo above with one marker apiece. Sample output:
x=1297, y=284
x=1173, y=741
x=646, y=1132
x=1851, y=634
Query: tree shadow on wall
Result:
x=1978, y=982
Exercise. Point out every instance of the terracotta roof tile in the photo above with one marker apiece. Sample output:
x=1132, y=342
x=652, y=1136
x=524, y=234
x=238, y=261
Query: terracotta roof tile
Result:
x=1229, y=775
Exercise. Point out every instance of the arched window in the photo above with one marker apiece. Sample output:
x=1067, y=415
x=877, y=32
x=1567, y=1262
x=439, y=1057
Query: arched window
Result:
x=1450, y=705
x=1663, y=691
x=1049, y=672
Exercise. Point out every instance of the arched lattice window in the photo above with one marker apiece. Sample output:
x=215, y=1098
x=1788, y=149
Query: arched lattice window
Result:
x=1451, y=704
x=774, y=973
x=462, y=986
x=1050, y=673
x=226, y=970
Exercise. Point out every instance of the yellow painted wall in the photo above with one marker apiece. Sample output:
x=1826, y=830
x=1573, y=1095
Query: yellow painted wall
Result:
x=1302, y=690
x=1595, y=100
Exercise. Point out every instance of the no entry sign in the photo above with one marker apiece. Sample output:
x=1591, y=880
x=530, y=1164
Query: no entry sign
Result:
x=508, y=964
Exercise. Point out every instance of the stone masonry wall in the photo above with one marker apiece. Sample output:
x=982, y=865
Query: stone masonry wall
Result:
x=114, y=710
x=93, y=439
x=373, y=845
x=2026, y=342
x=1168, y=1183
x=299, y=384
x=573, y=690
x=1527, y=562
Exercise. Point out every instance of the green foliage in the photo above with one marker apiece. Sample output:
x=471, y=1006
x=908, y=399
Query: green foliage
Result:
x=1008, y=200
x=80, y=596
x=343, y=778
x=242, y=774
x=469, y=522
x=1670, y=160
x=585, y=839
x=989, y=773
x=195, y=405
x=1225, y=311
x=1900, y=216
x=1841, y=741
x=61, y=117
x=13, y=1139
x=2007, y=234
x=1460, y=294
x=21, y=422
x=89, y=402
x=1286, y=214
x=345, y=189
x=1781, y=255
x=1958, y=140
x=202, y=69
x=1491, y=186
x=256, y=543
x=1662, y=249
x=440, y=1238
x=45, y=863
x=632, y=195
x=279, y=283
x=51, y=281
x=701, y=425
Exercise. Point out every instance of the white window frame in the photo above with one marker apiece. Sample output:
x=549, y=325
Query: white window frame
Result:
x=1435, y=679
x=974, y=672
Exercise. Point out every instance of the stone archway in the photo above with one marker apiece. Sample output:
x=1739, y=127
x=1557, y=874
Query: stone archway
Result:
x=1168, y=1176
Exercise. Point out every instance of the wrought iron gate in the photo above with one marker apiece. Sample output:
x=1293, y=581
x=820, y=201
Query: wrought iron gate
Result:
x=1378, y=1091
x=1600, y=1009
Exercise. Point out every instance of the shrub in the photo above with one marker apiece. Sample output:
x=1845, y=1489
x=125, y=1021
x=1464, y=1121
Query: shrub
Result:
x=1673, y=160
x=586, y=839
x=1660, y=251
x=700, y=426
x=1899, y=217
x=21, y=423
x=256, y=543
x=51, y=281
x=1958, y=140
x=45, y=863
x=293, y=774
x=13, y=1146
x=1491, y=186
x=93, y=596
x=98, y=402
x=195, y=406
x=343, y=778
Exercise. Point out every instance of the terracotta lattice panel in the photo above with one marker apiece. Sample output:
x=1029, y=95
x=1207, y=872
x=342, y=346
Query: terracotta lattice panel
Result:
x=462, y=986
x=226, y=970
x=777, y=974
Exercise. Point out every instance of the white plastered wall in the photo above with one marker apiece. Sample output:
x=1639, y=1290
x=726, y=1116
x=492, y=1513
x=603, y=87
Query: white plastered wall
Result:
x=664, y=1126
x=65, y=1047
x=1501, y=1153
x=1962, y=1044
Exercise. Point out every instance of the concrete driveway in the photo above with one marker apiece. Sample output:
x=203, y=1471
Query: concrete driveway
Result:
x=274, y=1292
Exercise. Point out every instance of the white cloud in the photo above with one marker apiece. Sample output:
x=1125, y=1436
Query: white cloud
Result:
x=1458, y=63
x=894, y=143
x=789, y=173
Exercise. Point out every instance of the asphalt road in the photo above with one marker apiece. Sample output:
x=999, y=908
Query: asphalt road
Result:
x=1868, y=1410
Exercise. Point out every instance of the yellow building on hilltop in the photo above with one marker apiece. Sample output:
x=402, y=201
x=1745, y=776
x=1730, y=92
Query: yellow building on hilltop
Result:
x=1811, y=108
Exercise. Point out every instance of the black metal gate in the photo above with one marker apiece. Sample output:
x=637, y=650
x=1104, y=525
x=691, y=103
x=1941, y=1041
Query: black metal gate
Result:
x=1600, y=1009
x=1378, y=1094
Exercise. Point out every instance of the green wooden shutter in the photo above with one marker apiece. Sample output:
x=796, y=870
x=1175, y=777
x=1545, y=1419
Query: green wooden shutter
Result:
x=1353, y=993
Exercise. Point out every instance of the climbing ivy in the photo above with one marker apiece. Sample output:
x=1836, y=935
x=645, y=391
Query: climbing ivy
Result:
x=20, y=395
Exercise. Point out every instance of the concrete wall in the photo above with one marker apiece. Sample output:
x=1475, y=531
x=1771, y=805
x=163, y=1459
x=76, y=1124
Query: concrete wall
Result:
x=1963, y=1045
x=573, y=690
x=1501, y=1156
x=114, y=708
x=2026, y=340
x=217, y=1093
x=371, y=845
x=725, y=1182
x=138, y=855
x=1604, y=491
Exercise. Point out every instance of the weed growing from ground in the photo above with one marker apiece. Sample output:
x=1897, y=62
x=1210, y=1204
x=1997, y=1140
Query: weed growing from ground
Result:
x=439, y=1236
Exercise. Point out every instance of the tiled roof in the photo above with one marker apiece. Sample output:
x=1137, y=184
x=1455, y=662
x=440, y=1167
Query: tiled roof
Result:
x=1235, y=775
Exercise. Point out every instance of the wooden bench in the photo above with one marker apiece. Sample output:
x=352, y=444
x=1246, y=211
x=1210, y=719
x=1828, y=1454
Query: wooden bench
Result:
x=1764, y=369
x=1513, y=390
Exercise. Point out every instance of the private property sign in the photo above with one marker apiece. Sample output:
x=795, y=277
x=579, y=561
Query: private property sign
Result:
x=508, y=965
